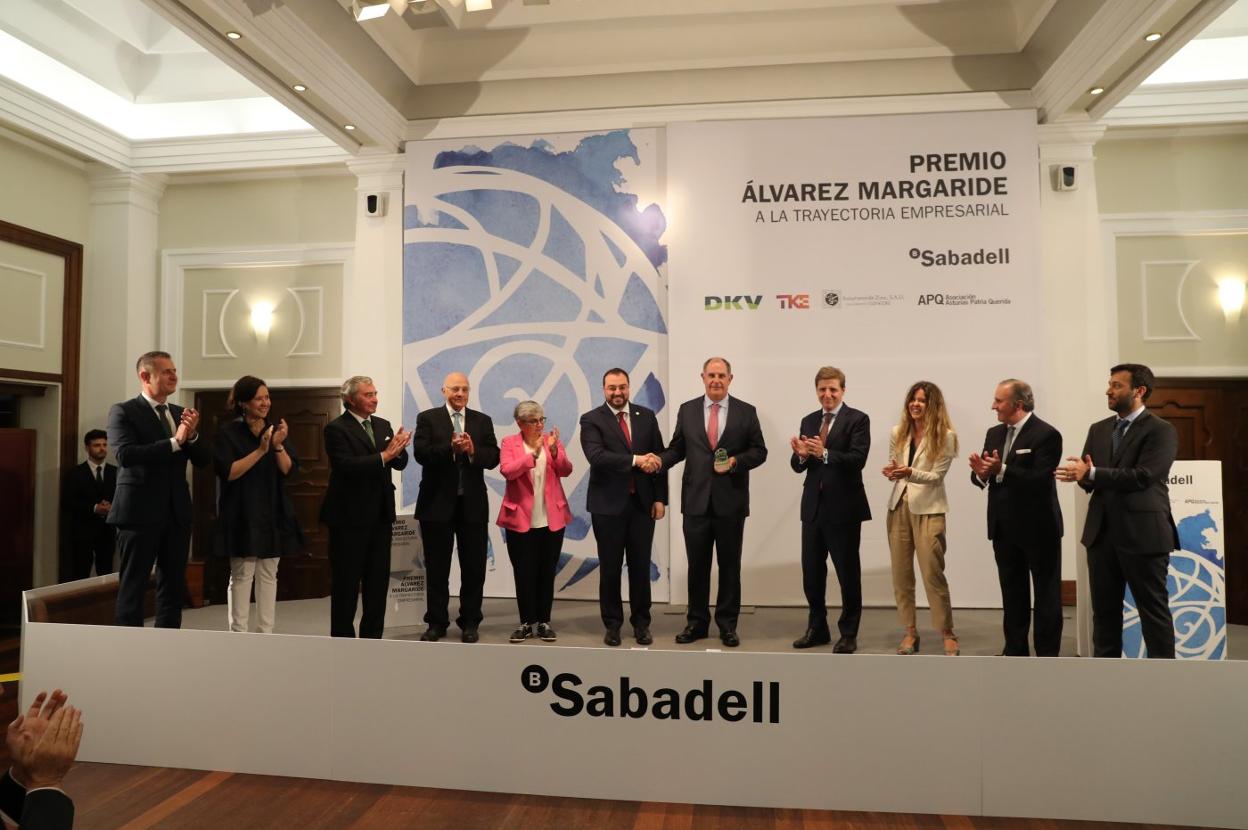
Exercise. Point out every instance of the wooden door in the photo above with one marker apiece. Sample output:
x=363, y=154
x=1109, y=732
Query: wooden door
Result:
x=1211, y=416
x=307, y=411
x=17, y=522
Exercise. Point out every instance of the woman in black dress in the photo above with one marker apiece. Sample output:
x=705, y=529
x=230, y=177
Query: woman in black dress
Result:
x=256, y=518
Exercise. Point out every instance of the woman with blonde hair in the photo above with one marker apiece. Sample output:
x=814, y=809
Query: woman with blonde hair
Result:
x=923, y=446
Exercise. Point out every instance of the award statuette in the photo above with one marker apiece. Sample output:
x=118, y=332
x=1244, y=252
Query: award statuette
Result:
x=722, y=465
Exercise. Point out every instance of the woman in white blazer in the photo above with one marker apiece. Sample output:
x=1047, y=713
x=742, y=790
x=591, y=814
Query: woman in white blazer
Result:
x=923, y=446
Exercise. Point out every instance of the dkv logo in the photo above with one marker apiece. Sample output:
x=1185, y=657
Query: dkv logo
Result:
x=732, y=302
x=624, y=700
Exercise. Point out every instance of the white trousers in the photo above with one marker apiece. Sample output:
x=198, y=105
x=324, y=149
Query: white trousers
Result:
x=243, y=570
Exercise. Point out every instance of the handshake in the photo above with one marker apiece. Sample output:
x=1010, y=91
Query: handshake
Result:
x=649, y=463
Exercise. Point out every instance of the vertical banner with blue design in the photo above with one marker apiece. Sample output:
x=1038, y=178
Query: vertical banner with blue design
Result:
x=1197, y=580
x=533, y=265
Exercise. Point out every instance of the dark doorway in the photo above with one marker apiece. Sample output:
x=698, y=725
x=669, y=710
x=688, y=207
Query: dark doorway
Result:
x=1211, y=416
x=17, y=523
x=301, y=576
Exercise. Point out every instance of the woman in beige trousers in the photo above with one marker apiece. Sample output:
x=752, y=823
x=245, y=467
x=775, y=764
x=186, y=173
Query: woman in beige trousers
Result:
x=922, y=448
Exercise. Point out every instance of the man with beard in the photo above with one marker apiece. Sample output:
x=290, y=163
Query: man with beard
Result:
x=88, y=496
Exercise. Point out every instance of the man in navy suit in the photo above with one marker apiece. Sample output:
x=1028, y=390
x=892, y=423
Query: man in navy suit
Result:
x=454, y=445
x=359, y=508
x=153, y=440
x=831, y=449
x=626, y=497
x=1024, y=519
x=720, y=440
x=87, y=498
x=1130, y=531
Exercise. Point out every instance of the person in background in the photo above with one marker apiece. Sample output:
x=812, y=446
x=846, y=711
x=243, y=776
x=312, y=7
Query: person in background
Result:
x=87, y=498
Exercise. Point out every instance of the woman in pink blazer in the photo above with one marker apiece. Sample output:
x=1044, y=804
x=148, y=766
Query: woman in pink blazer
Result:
x=533, y=461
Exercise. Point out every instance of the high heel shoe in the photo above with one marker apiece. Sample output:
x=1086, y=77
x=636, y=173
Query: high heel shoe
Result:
x=950, y=637
x=913, y=648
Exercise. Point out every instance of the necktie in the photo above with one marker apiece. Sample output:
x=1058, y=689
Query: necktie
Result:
x=1120, y=429
x=628, y=436
x=368, y=430
x=458, y=417
x=1009, y=445
x=826, y=427
x=163, y=412
x=712, y=426
x=99, y=476
x=457, y=424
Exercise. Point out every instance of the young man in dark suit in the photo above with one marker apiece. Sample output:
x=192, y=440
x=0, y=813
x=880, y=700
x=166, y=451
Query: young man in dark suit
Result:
x=359, y=508
x=1130, y=531
x=454, y=445
x=1024, y=519
x=153, y=440
x=831, y=449
x=88, y=495
x=720, y=440
x=626, y=496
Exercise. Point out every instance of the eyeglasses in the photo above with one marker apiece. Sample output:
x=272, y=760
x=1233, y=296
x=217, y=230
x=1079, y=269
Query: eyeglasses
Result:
x=534, y=421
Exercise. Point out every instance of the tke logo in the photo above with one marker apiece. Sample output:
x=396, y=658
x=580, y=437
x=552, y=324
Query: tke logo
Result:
x=624, y=700
x=739, y=302
x=794, y=300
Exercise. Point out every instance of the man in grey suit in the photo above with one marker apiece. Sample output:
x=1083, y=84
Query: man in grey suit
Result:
x=1129, y=532
x=720, y=440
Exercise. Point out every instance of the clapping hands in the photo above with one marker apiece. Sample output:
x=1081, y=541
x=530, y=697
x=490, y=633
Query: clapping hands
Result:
x=988, y=464
x=397, y=444
x=44, y=741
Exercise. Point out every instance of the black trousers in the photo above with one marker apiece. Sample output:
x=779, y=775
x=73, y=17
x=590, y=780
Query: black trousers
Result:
x=534, y=555
x=1110, y=569
x=1021, y=570
x=719, y=536
x=840, y=541
x=470, y=539
x=142, y=546
x=93, y=549
x=629, y=537
x=359, y=565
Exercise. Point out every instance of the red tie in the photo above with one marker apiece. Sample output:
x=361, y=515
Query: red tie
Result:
x=628, y=436
x=712, y=426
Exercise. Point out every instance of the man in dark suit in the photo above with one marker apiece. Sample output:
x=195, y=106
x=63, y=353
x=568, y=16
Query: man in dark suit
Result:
x=1129, y=532
x=88, y=495
x=622, y=441
x=1024, y=519
x=721, y=440
x=153, y=440
x=831, y=449
x=359, y=508
x=454, y=445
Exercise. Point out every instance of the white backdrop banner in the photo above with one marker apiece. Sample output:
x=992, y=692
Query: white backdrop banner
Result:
x=896, y=248
x=406, y=600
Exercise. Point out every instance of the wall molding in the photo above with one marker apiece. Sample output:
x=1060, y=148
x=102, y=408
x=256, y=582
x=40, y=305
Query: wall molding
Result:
x=43, y=310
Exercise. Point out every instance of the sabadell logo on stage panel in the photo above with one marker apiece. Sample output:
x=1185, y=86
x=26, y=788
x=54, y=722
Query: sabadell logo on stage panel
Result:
x=621, y=699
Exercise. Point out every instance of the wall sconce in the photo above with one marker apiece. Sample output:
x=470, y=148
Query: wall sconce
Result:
x=261, y=320
x=1231, y=297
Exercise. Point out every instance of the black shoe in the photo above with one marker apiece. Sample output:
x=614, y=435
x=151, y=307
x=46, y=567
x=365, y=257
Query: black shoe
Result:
x=469, y=635
x=545, y=633
x=432, y=634
x=845, y=645
x=689, y=635
x=522, y=633
x=612, y=637
x=642, y=635
x=812, y=638
x=729, y=638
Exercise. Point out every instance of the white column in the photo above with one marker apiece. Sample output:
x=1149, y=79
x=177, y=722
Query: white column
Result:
x=1078, y=327
x=372, y=341
x=120, y=287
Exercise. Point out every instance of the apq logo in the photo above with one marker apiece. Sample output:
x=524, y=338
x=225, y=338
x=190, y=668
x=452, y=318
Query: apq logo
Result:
x=624, y=700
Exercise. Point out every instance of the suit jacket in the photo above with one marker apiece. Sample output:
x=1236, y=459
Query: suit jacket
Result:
x=700, y=486
x=361, y=491
x=42, y=809
x=1023, y=507
x=516, y=465
x=151, y=478
x=926, y=484
x=442, y=470
x=1130, y=503
x=82, y=493
x=833, y=491
x=610, y=458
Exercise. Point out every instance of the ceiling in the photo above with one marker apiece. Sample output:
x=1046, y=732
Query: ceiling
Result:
x=157, y=84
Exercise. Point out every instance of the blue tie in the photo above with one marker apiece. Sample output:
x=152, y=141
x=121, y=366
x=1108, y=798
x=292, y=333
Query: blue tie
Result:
x=1120, y=429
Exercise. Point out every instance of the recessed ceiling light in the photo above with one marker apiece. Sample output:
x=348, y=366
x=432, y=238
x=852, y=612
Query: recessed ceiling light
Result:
x=299, y=88
x=348, y=127
x=373, y=12
x=478, y=5
x=1096, y=90
x=1152, y=37
x=233, y=35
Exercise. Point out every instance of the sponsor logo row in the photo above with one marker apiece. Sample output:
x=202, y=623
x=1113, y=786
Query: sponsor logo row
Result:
x=834, y=299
